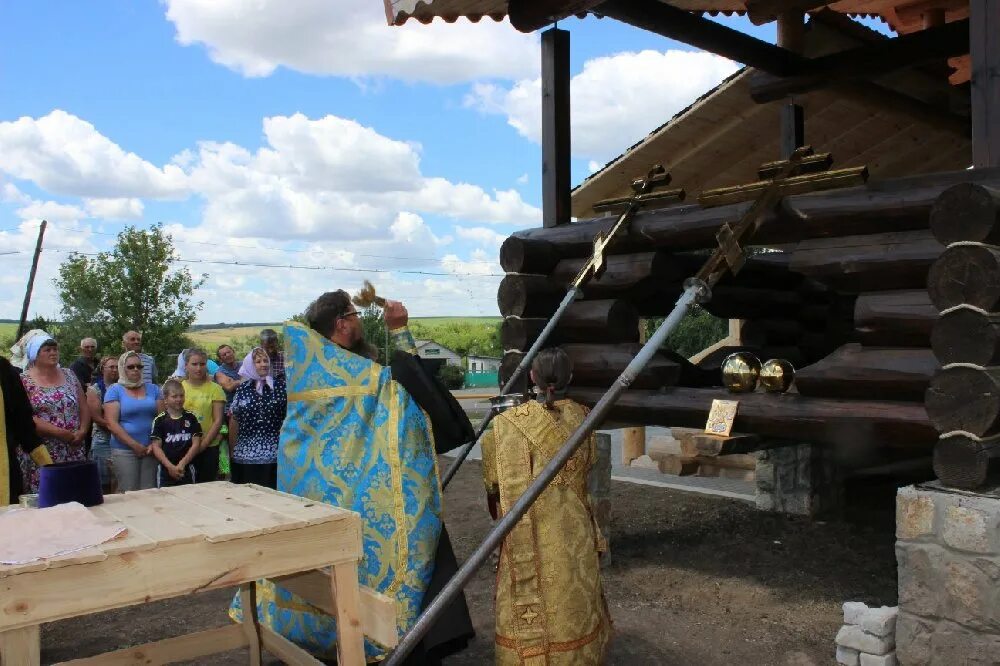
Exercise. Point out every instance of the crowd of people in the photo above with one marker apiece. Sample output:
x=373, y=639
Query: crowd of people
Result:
x=352, y=433
x=211, y=419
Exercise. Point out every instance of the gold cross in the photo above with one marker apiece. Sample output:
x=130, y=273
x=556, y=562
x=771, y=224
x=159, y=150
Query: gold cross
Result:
x=529, y=615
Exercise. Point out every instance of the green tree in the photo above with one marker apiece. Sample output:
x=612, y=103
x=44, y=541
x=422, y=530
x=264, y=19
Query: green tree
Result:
x=137, y=285
x=696, y=331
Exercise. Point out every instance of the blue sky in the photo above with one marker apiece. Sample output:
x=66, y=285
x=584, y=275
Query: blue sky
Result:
x=319, y=137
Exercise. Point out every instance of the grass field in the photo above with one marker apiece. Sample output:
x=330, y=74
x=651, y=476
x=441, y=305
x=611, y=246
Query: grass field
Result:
x=7, y=330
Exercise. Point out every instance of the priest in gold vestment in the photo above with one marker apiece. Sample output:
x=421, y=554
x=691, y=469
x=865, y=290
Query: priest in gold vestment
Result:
x=550, y=608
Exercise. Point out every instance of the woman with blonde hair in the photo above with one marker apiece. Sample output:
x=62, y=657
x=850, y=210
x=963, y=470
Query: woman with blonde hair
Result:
x=549, y=601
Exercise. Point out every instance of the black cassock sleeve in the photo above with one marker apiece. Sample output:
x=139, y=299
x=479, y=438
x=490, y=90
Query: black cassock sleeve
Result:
x=449, y=422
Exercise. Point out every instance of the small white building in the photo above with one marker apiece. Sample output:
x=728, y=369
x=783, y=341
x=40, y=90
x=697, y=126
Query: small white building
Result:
x=478, y=364
x=432, y=351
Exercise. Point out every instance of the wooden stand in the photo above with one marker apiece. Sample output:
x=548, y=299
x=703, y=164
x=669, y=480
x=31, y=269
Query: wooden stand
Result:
x=195, y=538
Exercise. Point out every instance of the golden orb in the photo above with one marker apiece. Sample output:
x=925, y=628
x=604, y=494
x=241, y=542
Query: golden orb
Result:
x=740, y=372
x=776, y=375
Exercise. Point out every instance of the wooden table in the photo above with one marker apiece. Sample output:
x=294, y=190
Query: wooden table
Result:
x=189, y=539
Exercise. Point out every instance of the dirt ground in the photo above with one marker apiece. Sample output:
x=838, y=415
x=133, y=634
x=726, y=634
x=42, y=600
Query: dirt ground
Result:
x=692, y=580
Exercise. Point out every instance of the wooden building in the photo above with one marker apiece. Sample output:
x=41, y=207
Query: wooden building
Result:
x=881, y=287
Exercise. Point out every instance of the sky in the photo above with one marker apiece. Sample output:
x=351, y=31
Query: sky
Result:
x=308, y=142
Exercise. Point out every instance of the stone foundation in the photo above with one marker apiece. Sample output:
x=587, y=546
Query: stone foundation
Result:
x=799, y=479
x=948, y=550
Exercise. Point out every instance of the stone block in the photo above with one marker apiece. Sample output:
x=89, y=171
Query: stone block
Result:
x=914, y=514
x=919, y=566
x=965, y=529
x=854, y=611
x=967, y=591
x=913, y=640
x=953, y=644
x=856, y=638
x=765, y=476
x=847, y=656
x=879, y=660
x=764, y=501
x=880, y=621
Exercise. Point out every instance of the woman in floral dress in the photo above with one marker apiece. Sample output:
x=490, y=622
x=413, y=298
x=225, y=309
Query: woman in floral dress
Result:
x=61, y=415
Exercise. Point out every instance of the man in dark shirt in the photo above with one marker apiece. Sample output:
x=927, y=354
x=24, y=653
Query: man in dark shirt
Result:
x=83, y=367
x=269, y=342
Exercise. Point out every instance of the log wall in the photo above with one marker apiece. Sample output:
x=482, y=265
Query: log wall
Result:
x=849, y=285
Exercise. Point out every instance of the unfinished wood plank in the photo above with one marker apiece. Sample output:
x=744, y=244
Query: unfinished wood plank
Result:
x=350, y=636
x=130, y=578
x=313, y=512
x=21, y=647
x=138, y=511
x=132, y=540
x=716, y=445
x=289, y=652
x=378, y=611
x=226, y=498
x=250, y=624
x=210, y=519
x=179, y=648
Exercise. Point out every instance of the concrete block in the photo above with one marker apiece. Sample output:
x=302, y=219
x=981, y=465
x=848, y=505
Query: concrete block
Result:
x=879, y=660
x=765, y=476
x=914, y=514
x=880, y=621
x=858, y=639
x=919, y=566
x=764, y=501
x=847, y=656
x=913, y=640
x=854, y=611
x=965, y=529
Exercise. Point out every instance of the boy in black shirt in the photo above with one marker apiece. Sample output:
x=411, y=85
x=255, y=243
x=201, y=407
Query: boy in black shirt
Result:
x=176, y=438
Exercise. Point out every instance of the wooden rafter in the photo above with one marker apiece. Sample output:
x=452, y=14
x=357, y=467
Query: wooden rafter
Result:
x=530, y=15
x=765, y=11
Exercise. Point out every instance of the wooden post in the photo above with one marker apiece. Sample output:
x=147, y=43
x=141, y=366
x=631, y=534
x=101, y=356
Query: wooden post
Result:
x=984, y=49
x=555, y=128
x=21, y=646
x=251, y=624
x=31, y=281
x=791, y=33
x=346, y=594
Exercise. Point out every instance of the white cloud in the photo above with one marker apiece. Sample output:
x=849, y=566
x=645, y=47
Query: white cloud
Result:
x=51, y=211
x=349, y=38
x=66, y=155
x=522, y=179
x=114, y=209
x=488, y=238
x=617, y=99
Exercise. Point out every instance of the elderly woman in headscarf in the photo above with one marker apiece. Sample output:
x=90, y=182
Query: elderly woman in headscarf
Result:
x=59, y=407
x=129, y=409
x=255, y=420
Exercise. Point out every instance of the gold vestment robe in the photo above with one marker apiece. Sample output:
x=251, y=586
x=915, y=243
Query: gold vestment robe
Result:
x=550, y=607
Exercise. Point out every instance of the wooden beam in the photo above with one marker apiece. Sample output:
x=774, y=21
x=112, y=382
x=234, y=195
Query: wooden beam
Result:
x=555, y=128
x=791, y=35
x=765, y=11
x=881, y=57
x=674, y=23
x=984, y=48
x=530, y=15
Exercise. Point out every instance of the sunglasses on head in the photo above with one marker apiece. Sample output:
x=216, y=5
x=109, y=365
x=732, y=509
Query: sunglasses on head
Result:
x=350, y=314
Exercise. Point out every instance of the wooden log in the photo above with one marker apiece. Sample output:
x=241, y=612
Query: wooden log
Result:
x=965, y=398
x=966, y=275
x=898, y=204
x=770, y=332
x=902, y=318
x=628, y=274
x=965, y=335
x=677, y=465
x=518, y=255
x=961, y=461
x=706, y=444
x=608, y=321
x=633, y=444
x=849, y=423
x=600, y=365
x=967, y=212
x=895, y=260
x=528, y=296
x=877, y=373
x=732, y=302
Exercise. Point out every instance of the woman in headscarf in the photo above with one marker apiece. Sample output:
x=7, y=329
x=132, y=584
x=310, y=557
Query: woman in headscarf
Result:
x=59, y=407
x=100, y=447
x=257, y=413
x=130, y=406
x=17, y=434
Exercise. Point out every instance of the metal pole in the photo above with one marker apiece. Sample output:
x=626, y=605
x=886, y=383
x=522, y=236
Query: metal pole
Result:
x=525, y=363
x=31, y=281
x=694, y=290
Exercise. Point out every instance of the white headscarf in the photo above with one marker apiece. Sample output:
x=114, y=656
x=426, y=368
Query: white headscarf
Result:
x=19, y=352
